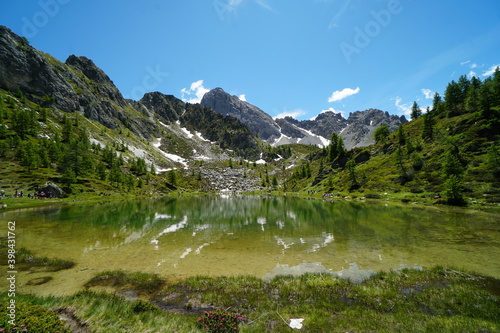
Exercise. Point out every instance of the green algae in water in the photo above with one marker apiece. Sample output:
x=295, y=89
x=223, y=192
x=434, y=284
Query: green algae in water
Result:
x=215, y=236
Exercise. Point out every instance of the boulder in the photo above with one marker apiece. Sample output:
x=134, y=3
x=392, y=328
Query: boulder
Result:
x=51, y=190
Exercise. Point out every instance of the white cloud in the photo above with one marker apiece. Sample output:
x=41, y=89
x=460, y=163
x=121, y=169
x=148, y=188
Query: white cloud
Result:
x=471, y=65
x=294, y=114
x=405, y=108
x=195, y=92
x=342, y=113
x=472, y=74
x=429, y=94
x=491, y=70
x=341, y=94
x=242, y=97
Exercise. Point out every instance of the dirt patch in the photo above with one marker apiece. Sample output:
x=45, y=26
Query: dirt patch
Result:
x=75, y=324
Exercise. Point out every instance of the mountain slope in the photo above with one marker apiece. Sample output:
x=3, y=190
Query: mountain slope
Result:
x=357, y=130
x=362, y=125
x=257, y=120
x=451, y=154
x=68, y=123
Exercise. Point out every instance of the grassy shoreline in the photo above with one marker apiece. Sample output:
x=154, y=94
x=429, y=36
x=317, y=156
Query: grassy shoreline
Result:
x=439, y=300
x=399, y=198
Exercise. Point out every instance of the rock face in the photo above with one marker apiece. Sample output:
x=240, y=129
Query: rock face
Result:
x=356, y=131
x=51, y=190
x=78, y=85
x=324, y=124
x=259, y=122
x=362, y=126
x=167, y=107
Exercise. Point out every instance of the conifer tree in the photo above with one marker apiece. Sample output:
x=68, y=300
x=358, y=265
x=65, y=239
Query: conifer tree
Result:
x=351, y=169
x=415, y=111
x=101, y=171
x=453, y=191
x=436, y=101
x=428, y=130
x=472, y=98
x=28, y=155
x=172, y=177
x=382, y=133
x=67, y=129
x=332, y=149
x=453, y=98
x=3, y=129
x=401, y=135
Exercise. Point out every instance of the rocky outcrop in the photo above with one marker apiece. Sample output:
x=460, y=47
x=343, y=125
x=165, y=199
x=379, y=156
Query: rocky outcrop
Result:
x=323, y=124
x=231, y=180
x=259, y=122
x=75, y=86
x=50, y=190
x=25, y=69
x=78, y=85
x=362, y=126
x=356, y=131
x=167, y=107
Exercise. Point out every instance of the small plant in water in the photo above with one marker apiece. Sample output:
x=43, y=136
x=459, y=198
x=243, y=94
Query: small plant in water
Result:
x=215, y=322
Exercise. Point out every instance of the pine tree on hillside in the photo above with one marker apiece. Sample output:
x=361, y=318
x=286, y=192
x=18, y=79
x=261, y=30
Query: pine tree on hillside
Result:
x=401, y=135
x=452, y=98
x=415, y=111
x=382, y=133
x=67, y=129
x=436, y=100
x=3, y=128
x=428, y=130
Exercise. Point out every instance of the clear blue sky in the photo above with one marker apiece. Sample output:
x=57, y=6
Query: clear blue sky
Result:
x=285, y=56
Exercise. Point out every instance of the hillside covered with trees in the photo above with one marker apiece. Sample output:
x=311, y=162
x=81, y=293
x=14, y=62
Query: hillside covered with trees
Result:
x=450, y=152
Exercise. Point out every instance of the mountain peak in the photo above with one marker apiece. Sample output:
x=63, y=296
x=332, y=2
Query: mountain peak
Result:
x=256, y=120
x=87, y=67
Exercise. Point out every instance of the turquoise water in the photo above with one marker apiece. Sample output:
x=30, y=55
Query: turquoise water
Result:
x=230, y=235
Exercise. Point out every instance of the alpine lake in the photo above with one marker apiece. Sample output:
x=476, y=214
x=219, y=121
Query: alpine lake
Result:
x=248, y=235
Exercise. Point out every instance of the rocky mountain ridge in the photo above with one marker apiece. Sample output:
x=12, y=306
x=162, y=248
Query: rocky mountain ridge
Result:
x=259, y=122
x=79, y=86
x=357, y=130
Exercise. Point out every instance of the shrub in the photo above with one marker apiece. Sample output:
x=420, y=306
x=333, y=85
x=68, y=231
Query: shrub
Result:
x=453, y=191
x=215, y=322
x=142, y=306
x=31, y=318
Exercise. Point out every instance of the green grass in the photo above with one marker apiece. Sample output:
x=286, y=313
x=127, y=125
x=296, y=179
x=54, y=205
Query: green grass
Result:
x=435, y=300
